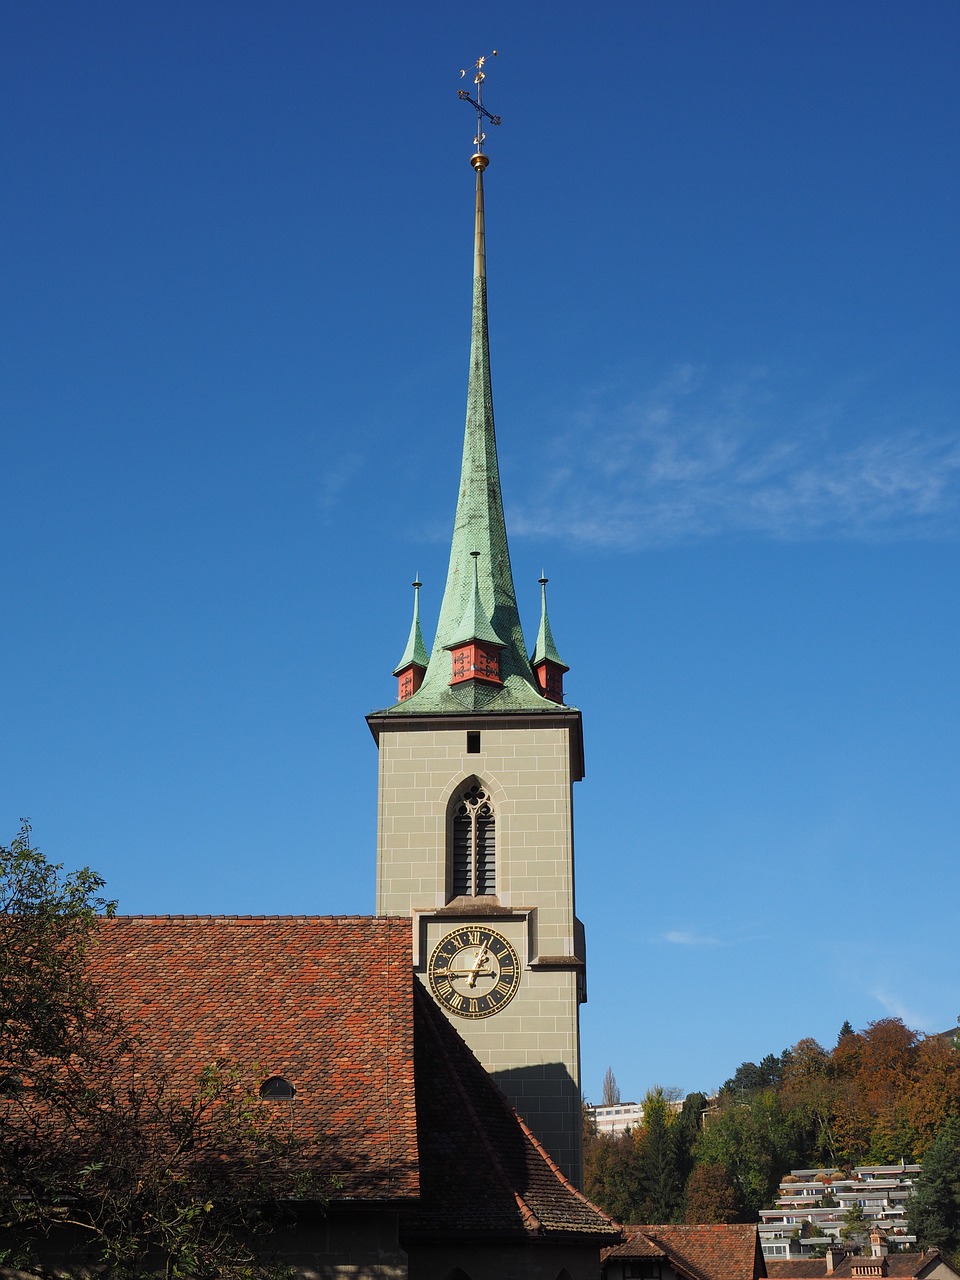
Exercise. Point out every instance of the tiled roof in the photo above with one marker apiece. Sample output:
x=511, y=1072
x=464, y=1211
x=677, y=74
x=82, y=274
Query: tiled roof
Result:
x=716, y=1252
x=796, y=1268
x=389, y=1098
x=894, y=1264
x=324, y=1002
x=481, y=1170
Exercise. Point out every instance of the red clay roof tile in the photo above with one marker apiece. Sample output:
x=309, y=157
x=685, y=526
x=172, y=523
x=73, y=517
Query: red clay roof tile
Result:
x=325, y=1003
x=389, y=1098
x=702, y=1252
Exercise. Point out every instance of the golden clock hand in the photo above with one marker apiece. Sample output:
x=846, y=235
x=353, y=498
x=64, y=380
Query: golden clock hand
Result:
x=463, y=973
x=479, y=961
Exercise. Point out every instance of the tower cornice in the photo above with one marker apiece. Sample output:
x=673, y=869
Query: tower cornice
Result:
x=553, y=716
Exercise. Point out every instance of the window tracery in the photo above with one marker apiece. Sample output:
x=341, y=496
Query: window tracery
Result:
x=474, y=844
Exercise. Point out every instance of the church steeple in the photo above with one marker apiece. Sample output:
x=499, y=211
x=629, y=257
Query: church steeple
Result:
x=475, y=792
x=479, y=527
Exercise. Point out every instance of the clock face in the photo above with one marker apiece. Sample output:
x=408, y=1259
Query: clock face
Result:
x=474, y=972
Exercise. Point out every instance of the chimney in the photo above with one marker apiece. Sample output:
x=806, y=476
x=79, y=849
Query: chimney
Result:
x=834, y=1255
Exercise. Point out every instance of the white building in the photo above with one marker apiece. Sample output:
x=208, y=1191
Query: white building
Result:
x=616, y=1118
x=821, y=1197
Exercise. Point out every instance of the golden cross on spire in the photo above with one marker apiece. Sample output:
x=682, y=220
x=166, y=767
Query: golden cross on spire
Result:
x=481, y=110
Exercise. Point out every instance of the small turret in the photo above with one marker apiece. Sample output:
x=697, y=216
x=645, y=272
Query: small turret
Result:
x=476, y=647
x=547, y=664
x=411, y=667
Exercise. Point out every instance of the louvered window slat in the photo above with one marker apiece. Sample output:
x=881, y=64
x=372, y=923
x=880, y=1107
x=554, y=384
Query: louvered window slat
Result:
x=461, y=855
x=474, y=845
x=485, y=850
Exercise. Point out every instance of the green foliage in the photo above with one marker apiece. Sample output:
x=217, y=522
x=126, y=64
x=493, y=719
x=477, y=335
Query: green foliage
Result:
x=933, y=1214
x=126, y=1171
x=683, y=1134
x=612, y=1176
x=756, y=1144
x=48, y=1008
x=750, y=1077
x=855, y=1229
x=880, y=1094
x=656, y=1157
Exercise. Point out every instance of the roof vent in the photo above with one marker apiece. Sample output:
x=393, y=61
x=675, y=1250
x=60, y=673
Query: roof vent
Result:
x=277, y=1089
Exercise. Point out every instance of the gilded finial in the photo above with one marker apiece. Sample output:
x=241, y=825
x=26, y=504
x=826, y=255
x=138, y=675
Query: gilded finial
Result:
x=479, y=160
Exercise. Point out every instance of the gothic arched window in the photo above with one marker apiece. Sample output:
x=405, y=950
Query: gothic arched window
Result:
x=474, y=844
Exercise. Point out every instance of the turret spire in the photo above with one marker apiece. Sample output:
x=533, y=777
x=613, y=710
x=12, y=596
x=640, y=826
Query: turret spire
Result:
x=409, y=670
x=547, y=663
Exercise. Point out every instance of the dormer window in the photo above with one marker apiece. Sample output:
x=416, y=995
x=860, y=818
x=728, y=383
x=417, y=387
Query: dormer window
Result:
x=276, y=1089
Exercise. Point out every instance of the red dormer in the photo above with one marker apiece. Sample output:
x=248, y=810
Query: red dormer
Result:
x=476, y=660
x=409, y=681
x=475, y=653
x=550, y=679
x=547, y=664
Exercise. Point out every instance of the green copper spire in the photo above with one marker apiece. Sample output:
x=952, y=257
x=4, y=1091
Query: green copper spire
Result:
x=545, y=649
x=474, y=625
x=416, y=650
x=479, y=527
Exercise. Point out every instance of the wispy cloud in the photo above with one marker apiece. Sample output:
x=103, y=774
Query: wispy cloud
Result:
x=687, y=938
x=696, y=459
x=896, y=1008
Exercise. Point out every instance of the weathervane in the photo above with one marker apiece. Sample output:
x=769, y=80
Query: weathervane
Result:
x=481, y=110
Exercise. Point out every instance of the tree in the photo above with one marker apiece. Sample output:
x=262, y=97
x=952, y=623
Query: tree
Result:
x=808, y=1092
x=611, y=1090
x=611, y=1176
x=755, y=1143
x=683, y=1134
x=132, y=1172
x=933, y=1095
x=659, y=1176
x=933, y=1212
x=751, y=1076
x=856, y=1228
x=711, y=1197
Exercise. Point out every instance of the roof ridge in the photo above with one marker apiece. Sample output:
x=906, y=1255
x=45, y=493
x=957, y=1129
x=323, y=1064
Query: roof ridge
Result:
x=552, y=1163
x=225, y=918
x=684, y=1242
x=530, y=1218
x=682, y=1265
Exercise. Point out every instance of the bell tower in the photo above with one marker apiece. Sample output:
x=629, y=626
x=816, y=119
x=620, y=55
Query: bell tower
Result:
x=477, y=761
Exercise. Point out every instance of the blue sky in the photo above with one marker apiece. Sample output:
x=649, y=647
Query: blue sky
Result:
x=723, y=277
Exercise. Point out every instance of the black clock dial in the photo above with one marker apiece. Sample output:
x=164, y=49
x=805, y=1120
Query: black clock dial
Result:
x=474, y=971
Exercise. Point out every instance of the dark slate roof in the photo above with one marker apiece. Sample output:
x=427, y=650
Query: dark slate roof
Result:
x=796, y=1268
x=481, y=1169
x=324, y=1002
x=894, y=1264
x=701, y=1252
